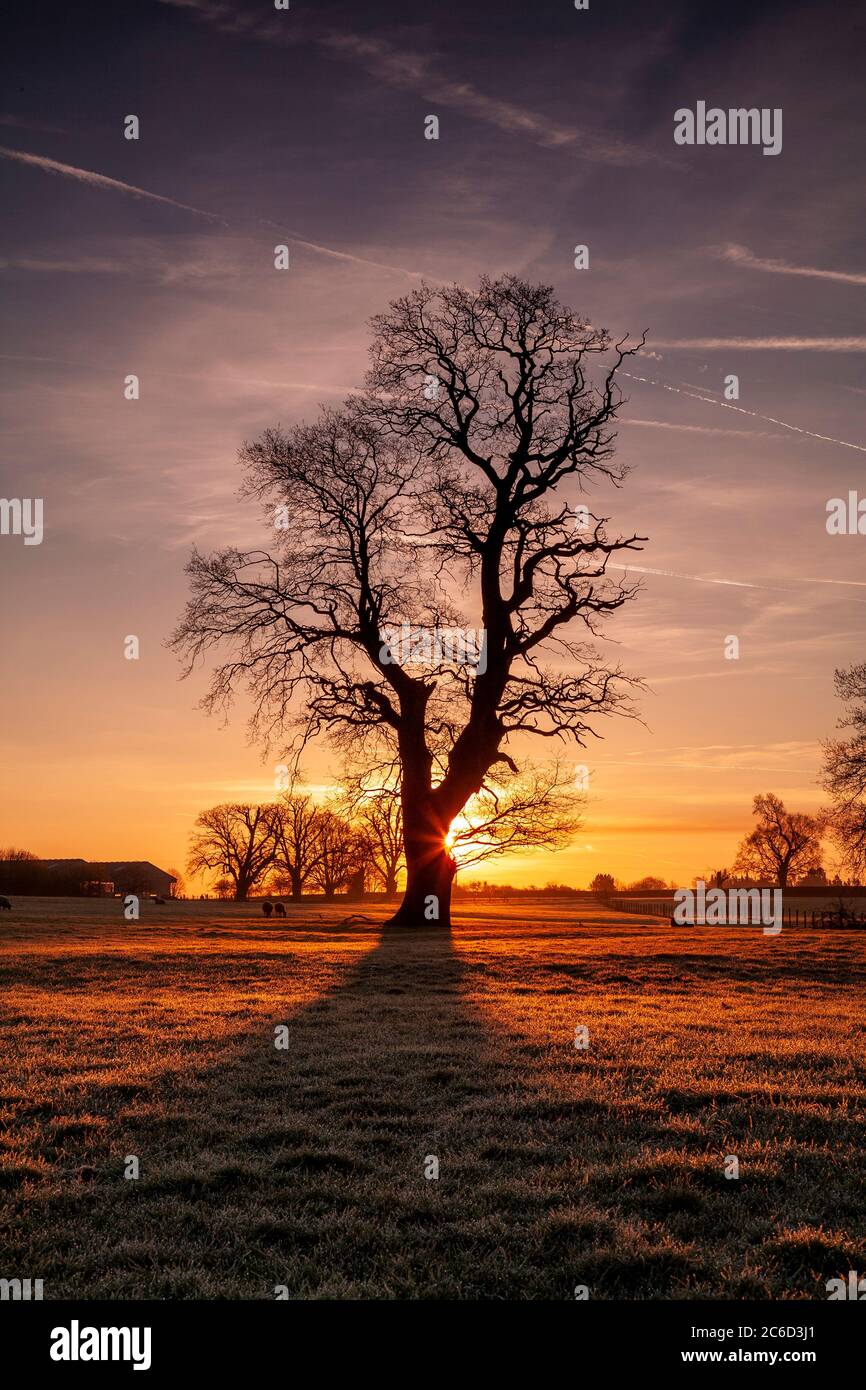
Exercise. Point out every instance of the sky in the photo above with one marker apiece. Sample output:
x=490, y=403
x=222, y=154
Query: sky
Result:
x=305, y=126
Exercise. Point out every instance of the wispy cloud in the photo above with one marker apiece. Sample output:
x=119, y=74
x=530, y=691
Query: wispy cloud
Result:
x=26, y=123
x=768, y=344
x=741, y=255
x=84, y=265
x=412, y=71
x=701, y=429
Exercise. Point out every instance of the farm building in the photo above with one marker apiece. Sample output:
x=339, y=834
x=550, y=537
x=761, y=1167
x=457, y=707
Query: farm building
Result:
x=74, y=877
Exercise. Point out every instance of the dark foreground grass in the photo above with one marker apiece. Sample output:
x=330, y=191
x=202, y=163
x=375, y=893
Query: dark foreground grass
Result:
x=305, y=1167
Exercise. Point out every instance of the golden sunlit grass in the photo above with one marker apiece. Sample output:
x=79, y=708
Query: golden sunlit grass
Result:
x=305, y=1167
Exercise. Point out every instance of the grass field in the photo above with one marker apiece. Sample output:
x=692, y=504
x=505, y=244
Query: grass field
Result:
x=305, y=1167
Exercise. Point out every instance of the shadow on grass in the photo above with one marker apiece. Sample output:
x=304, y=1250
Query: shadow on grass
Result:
x=311, y=1163
x=310, y=1167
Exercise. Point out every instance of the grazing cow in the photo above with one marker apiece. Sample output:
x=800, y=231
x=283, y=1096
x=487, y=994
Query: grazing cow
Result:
x=267, y=909
x=5, y=904
x=280, y=910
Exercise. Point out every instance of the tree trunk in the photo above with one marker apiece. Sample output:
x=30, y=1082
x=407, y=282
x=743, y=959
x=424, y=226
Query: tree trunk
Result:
x=430, y=871
x=427, y=897
x=430, y=868
x=296, y=887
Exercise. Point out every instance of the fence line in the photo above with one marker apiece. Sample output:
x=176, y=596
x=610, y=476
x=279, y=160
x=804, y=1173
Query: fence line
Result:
x=791, y=917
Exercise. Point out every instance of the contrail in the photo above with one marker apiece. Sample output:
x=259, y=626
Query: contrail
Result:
x=851, y=583
x=698, y=578
x=764, y=344
x=356, y=260
x=736, y=583
x=94, y=180
x=69, y=171
x=754, y=414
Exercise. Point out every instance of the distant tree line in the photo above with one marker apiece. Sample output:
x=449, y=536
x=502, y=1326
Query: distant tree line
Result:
x=293, y=846
x=480, y=888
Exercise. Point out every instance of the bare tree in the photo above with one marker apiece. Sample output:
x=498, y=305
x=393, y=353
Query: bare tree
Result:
x=537, y=808
x=297, y=825
x=448, y=477
x=178, y=888
x=339, y=853
x=375, y=811
x=844, y=775
x=716, y=878
x=783, y=845
x=235, y=841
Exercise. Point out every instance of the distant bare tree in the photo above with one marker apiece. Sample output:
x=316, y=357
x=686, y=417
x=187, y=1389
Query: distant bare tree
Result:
x=339, y=853
x=178, y=888
x=235, y=841
x=783, y=845
x=297, y=835
x=448, y=477
x=844, y=775
x=717, y=878
x=375, y=811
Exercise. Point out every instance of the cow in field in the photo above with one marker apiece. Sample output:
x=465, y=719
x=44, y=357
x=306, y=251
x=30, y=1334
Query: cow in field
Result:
x=267, y=909
x=5, y=905
x=279, y=910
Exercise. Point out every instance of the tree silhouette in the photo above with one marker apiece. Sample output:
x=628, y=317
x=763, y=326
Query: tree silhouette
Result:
x=603, y=884
x=844, y=774
x=340, y=853
x=716, y=878
x=446, y=479
x=373, y=807
x=178, y=888
x=297, y=840
x=783, y=845
x=537, y=808
x=235, y=841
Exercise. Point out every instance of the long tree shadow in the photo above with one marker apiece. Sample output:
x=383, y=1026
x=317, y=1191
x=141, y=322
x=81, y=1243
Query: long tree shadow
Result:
x=318, y=1152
